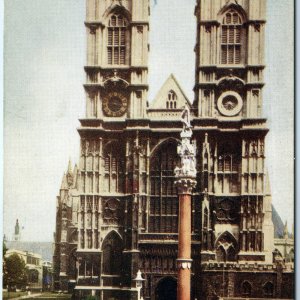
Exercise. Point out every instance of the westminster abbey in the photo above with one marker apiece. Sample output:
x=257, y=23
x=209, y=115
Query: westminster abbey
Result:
x=117, y=210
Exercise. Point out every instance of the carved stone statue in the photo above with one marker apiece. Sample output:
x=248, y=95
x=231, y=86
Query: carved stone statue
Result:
x=186, y=149
x=186, y=118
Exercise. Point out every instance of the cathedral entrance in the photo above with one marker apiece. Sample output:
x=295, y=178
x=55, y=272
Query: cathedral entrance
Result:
x=166, y=289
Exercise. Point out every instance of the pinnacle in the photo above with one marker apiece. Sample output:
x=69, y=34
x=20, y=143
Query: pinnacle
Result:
x=64, y=183
x=70, y=167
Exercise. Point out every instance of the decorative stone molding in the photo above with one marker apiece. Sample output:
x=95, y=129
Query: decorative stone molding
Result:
x=185, y=185
x=184, y=263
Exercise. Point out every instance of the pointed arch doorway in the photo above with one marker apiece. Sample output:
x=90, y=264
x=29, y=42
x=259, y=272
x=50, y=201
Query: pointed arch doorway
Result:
x=166, y=289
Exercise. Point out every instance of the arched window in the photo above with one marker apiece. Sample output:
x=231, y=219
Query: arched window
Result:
x=113, y=168
x=228, y=167
x=116, y=40
x=171, y=102
x=112, y=254
x=164, y=200
x=226, y=247
x=246, y=289
x=268, y=289
x=231, y=38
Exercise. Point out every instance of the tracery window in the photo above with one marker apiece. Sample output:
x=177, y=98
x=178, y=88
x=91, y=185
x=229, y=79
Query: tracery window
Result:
x=113, y=168
x=116, y=40
x=231, y=38
x=228, y=168
x=171, y=101
x=164, y=200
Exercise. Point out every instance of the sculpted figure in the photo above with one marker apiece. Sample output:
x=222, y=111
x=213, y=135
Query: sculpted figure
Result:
x=186, y=118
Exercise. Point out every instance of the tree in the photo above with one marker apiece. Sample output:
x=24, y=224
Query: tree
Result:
x=4, y=249
x=14, y=271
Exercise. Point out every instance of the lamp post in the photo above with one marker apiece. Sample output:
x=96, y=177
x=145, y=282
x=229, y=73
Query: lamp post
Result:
x=139, y=283
x=185, y=181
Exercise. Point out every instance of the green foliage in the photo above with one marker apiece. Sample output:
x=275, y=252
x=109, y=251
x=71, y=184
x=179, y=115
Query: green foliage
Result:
x=14, y=271
x=90, y=298
x=4, y=250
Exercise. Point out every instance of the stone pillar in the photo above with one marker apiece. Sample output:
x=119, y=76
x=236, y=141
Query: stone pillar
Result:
x=185, y=182
x=184, y=261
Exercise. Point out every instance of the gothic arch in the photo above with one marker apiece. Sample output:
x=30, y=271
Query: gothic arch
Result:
x=246, y=288
x=162, y=143
x=166, y=288
x=116, y=9
x=114, y=233
x=229, y=79
x=234, y=6
x=112, y=248
x=228, y=243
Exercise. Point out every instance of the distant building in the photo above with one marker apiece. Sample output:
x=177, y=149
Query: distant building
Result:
x=33, y=263
x=42, y=248
x=17, y=234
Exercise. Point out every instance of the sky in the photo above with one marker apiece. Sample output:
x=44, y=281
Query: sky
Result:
x=44, y=55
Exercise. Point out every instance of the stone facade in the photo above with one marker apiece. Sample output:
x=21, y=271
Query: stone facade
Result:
x=117, y=211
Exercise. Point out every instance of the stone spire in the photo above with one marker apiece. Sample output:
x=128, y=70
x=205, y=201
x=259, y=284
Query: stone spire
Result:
x=17, y=228
x=17, y=231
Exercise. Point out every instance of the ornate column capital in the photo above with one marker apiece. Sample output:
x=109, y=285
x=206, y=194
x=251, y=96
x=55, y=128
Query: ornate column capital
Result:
x=185, y=185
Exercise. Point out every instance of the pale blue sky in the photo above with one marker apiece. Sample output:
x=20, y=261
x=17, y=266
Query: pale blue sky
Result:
x=44, y=44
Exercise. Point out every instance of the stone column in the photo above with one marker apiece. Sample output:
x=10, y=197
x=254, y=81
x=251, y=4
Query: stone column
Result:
x=185, y=182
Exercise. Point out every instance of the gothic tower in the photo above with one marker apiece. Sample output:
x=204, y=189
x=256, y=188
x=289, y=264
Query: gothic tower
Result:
x=236, y=205
x=116, y=94
x=117, y=60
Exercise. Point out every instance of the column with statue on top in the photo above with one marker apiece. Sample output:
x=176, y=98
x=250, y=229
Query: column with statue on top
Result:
x=185, y=181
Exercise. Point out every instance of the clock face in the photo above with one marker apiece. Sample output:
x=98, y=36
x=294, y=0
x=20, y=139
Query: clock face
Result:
x=230, y=104
x=114, y=104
